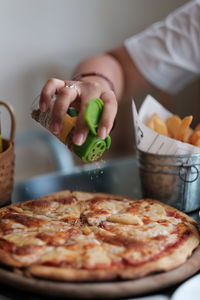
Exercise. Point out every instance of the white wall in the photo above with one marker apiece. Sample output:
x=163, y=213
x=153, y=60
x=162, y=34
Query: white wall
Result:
x=46, y=38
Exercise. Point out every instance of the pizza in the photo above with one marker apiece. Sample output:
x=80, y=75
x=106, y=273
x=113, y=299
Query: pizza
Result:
x=77, y=236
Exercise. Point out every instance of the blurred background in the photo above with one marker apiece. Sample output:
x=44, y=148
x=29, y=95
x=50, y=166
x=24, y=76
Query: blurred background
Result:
x=47, y=38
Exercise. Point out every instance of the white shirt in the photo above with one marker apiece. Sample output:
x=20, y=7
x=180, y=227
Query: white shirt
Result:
x=168, y=52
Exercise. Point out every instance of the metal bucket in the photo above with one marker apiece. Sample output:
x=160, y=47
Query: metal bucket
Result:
x=172, y=179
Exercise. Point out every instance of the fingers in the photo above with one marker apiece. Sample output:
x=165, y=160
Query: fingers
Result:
x=64, y=97
x=49, y=90
x=81, y=130
x=108, y=115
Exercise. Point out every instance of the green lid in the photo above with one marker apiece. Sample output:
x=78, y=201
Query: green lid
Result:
x=93, y=113
x=94, y=147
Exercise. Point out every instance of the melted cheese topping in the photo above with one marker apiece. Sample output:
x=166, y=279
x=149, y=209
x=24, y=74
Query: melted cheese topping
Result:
x=95, y=256
x=104, y=231
x=59, y=254
x=20, y=240
x=127, y=219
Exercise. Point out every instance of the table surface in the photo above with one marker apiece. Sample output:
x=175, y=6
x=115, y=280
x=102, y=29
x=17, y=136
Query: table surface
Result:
x=118, y=177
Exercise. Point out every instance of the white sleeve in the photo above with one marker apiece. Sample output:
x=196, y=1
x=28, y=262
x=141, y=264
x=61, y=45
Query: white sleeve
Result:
x=168, y=53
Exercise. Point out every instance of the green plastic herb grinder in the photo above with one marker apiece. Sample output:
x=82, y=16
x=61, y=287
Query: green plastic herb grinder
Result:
x=94, y=147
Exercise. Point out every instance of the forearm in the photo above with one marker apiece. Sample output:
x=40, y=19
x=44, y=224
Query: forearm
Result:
x=135, y=83
x=120, y=69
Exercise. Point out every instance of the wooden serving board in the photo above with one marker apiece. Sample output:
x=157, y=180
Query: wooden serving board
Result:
x=115, y=289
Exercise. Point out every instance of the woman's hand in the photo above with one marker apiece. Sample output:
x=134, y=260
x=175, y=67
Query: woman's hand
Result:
x=69, y=91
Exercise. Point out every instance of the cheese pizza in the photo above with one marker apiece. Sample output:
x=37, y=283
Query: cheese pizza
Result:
x=77, y=236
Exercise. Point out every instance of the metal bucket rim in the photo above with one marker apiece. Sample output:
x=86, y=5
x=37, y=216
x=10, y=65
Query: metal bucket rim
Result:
x=168, y=155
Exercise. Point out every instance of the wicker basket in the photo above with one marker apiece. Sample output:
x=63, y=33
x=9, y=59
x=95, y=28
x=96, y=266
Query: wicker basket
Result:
x=7, y=160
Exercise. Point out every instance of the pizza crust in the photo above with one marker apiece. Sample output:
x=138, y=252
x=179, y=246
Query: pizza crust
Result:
x=175, y=259
x=7, y=259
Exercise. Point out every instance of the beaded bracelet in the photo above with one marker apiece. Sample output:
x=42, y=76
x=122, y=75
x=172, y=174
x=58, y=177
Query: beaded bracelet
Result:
x=82, y=75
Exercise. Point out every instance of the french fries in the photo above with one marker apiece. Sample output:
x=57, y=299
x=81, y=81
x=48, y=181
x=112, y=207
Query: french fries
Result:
x=183, y=129
x=173, y=124
x=157, y=124
x=176, y=128
x=195, y=138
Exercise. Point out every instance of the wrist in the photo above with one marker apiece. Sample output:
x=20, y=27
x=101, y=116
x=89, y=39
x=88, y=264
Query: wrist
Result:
x=98, y=82
x=96, y=77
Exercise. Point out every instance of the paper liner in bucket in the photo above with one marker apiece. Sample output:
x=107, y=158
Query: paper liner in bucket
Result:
x=7, y=160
